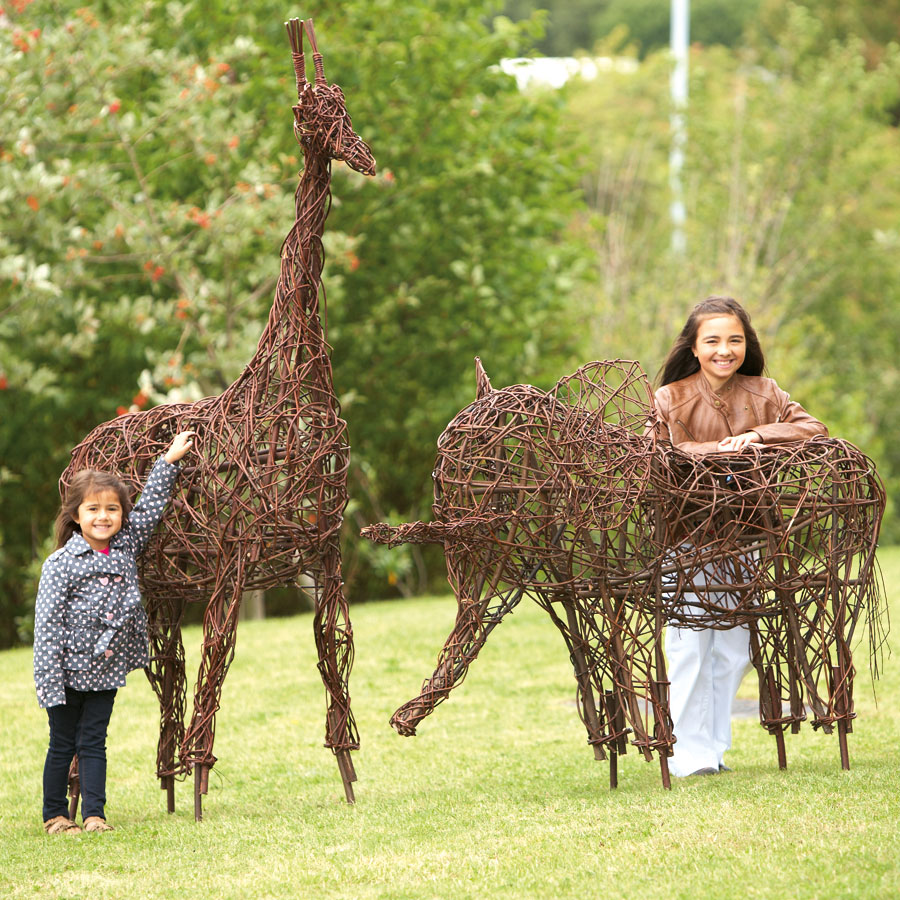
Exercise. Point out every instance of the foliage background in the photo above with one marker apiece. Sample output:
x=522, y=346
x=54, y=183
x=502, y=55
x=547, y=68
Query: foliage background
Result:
x=146, y=173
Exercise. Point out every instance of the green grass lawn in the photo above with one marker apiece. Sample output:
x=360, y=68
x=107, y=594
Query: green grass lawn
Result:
x=498, y=796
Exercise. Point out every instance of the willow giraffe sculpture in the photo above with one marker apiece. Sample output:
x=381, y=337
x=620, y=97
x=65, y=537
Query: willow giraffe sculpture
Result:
x=264, y=503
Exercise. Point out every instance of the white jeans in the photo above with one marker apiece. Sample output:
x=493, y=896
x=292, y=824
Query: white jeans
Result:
x=705, y=671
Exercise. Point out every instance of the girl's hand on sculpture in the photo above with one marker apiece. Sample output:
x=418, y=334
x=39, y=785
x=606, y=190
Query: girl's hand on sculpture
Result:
x=736, y=442
x=181, y=443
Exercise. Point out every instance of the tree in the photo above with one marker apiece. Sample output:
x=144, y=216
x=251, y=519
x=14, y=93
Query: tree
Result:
x=791, y=190
x=569, y=23
x=578, y=25
x=875, y=25
x=147, y=189
x=136, y=227
x=648, y=21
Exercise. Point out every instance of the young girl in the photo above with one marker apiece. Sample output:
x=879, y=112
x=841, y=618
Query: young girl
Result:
x=90, y=629
x=713, y=399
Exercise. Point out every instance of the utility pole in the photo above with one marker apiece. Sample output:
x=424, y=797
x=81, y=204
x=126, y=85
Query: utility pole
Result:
x=679, y=30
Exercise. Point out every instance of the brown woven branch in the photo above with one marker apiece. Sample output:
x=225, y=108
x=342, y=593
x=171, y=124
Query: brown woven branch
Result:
x=261, y=500
x=567, y=496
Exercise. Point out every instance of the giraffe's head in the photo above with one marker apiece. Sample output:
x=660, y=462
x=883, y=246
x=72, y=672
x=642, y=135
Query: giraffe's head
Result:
x=321, y=121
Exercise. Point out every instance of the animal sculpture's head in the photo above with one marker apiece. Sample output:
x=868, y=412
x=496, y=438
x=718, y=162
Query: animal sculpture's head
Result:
x=578, y=451
x=321, y=122
x=533, y=463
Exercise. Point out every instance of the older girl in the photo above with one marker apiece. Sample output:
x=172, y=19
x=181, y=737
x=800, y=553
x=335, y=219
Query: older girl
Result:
x=90, y=629
x=713, y=399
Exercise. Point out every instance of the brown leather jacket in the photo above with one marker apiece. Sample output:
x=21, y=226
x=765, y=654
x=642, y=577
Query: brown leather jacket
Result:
x=695, y=418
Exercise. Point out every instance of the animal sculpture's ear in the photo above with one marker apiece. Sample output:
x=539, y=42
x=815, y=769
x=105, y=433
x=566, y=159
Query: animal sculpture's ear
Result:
x=295, y=36
x=317, y=57
x=482, y=382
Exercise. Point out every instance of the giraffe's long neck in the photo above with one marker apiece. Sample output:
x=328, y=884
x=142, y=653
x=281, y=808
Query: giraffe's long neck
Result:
x=302, y=255
x=292, y=348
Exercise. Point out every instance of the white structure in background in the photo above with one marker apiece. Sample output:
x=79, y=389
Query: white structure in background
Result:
x=555, y=71
x=679, y=28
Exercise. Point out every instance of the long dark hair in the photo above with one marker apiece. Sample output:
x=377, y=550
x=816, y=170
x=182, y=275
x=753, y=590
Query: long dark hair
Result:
x=681, y=361
x=85, y=483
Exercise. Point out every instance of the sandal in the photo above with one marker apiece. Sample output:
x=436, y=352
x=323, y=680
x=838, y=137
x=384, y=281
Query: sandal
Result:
x=95, y=823
x=61, y=825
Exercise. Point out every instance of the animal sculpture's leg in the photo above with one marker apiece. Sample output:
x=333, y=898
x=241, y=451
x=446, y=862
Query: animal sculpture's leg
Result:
x=764, y=654
x=597, y=716
x=842, y=699
x=622, y=641
x=334, y=643
x=785, y=642
x=166, y=674
x=659, y=683
x=219, y=629
x=481, y=609
x=606, y=673
x=836, y=654
x=830, y=657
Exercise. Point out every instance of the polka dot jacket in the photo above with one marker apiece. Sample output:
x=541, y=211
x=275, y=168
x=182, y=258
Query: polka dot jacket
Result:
x=90, y=628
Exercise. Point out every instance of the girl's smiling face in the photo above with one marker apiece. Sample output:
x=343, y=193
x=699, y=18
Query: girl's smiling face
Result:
x=720, y=348
x=100, y=517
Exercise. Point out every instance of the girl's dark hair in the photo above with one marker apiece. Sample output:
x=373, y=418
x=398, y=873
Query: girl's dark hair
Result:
x=681, y=361
x=85, y=483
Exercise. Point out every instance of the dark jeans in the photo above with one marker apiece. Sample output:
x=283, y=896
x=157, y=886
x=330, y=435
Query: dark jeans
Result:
x=79, y=727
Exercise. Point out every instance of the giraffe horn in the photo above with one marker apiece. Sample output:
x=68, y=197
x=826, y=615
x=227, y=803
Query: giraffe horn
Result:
x=295, y=36
x=482, y=382
x=317, y=57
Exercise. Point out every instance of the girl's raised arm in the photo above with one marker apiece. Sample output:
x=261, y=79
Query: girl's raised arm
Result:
x=181, y=443
x=150, y=508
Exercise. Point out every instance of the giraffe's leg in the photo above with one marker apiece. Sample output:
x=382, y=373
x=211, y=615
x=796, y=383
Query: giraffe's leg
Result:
x=166, y=674
x=334, y=643
x=219, y=631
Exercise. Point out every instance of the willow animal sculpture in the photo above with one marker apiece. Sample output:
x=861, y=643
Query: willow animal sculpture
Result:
x=782, y=541
x=264, y=501
x=569, y=497
x=544, y=494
